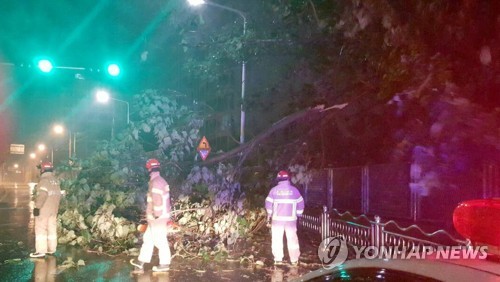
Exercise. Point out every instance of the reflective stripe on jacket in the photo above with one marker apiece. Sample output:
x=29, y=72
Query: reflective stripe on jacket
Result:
x=284, y=202
x=158, y=199
x=48, y=194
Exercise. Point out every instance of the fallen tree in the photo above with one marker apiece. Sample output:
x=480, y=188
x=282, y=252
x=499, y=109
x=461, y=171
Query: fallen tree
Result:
x=243, y=150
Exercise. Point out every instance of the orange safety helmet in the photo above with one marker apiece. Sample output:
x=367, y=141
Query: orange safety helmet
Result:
x=283, y=175
x=45, y=166
x=152, y=164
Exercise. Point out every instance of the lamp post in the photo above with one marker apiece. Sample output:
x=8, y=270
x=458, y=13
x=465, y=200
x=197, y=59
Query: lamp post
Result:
x=59, y=129
x=42, y=148
x=103, y=96
x=31, y=170
x=243, y=63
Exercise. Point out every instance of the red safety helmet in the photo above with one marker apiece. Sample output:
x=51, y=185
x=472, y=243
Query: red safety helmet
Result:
x=283, y=175
x=45, y=165
x=151, y=164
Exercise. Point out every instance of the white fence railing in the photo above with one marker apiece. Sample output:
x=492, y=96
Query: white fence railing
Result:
x=361, y=231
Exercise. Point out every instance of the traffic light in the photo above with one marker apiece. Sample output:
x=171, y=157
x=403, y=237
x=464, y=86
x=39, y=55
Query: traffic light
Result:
x=45, y=65
x=113, y=70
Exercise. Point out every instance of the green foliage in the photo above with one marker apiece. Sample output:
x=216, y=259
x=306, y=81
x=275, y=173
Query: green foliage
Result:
x=105, y=194
x=199, y=192
x=174, y=129
x=215, y=227
x=220, y=183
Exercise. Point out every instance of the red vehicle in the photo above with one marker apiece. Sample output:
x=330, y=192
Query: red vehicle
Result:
x=476, y=220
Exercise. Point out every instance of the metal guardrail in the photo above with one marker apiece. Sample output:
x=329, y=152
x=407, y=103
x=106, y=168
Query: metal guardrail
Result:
x=374, y=233
x=355, y=234
x=311, y=223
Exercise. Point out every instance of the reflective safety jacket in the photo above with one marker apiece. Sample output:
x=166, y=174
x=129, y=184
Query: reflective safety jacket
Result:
x=48, y=195
x=158, y=199
x=284, y=202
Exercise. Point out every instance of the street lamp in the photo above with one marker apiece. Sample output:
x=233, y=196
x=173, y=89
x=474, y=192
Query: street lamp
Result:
x=243, y=63
x=103, y=96
x=31, y=170
x=59, y=129
x=42, y=148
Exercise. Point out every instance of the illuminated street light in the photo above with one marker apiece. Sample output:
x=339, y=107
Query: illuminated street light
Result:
x=243, y=63
x=32, y=156
x=41, y=147
x=196, y=2
x=59, y=129
x=103, y=96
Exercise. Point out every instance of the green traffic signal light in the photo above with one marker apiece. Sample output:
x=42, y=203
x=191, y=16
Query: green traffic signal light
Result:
x=45, y=65
x=113, y=70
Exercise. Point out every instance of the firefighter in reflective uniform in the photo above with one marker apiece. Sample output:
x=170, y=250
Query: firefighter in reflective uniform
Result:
x=48, y=196
x=157, y=215
x=283, y=204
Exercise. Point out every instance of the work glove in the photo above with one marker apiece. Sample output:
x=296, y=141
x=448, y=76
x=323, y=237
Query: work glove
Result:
x=150, y=219
x=36, y=212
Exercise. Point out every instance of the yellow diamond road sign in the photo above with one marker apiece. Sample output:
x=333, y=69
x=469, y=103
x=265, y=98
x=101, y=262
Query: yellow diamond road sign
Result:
x=204, y=148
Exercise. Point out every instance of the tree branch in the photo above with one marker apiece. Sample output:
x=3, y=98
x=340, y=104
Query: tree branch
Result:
x=243, y=150
x=315, y=13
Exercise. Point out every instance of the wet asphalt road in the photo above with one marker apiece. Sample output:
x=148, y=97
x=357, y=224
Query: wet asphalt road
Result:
x=17, y=241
